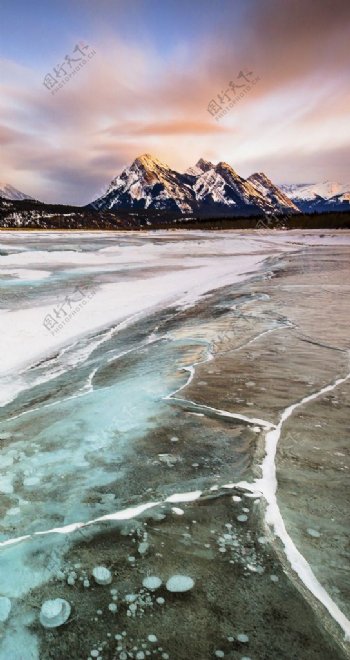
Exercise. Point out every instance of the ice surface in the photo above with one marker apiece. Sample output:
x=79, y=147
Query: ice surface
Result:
x=72, y=420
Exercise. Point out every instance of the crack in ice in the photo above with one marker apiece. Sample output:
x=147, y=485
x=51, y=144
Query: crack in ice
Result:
x=253, y=421
x=267, y=485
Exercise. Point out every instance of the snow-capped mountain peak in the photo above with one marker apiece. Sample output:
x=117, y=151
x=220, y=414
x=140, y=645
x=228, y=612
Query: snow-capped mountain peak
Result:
x=225, y=168
x=204, y=165
x=318, y=197
x=9, y=192
x=309, y=191
x=148, y=184
x=243, y=188
x=147, y=159
x=222, y=186
x=270, y=191
x=201, y=166
x=149, y=162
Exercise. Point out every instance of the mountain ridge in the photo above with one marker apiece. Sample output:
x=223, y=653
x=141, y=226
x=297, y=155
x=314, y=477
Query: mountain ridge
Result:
x=150, y=184
x=320, y=197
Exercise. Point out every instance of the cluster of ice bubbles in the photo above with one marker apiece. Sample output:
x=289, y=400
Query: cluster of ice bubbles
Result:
x=56, y=612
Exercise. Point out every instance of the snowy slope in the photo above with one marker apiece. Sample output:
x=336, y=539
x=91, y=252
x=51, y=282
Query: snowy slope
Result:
x=149, y=184
x=9, y=192
x=222, y=186
x=272, y=193
x=309, y=191
x=200, y=167
x=318, y=197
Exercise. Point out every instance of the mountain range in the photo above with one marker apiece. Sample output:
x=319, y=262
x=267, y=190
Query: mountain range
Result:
x=319, y=197
x=206, y=190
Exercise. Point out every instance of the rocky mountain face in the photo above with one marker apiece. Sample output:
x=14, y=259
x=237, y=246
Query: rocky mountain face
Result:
x=149, y=184
x=272, y=193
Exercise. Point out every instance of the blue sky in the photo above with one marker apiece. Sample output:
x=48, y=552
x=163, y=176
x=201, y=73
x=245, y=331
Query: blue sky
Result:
x=33, y=32
x=156, y=67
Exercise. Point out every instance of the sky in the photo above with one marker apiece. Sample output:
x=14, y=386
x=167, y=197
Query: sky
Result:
x=143, y=73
